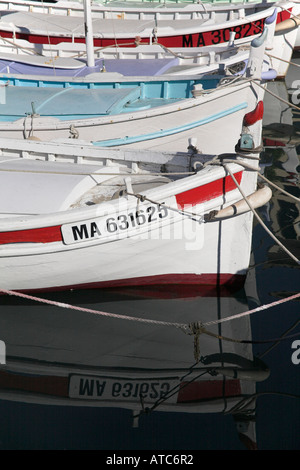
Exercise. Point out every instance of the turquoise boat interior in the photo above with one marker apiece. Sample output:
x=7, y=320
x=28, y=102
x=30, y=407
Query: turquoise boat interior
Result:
x=84, y=99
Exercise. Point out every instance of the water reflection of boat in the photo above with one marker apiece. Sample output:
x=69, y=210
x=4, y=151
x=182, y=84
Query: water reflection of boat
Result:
x=278, y=125
x=281, y=138
x=86, y=360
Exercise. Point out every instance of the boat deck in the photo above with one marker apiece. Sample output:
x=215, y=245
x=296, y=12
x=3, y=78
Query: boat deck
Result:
x=56, y=186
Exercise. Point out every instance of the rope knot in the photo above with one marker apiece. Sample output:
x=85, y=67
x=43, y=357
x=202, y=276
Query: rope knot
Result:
x=138, y=40
x=141, y=197
x=196, y=329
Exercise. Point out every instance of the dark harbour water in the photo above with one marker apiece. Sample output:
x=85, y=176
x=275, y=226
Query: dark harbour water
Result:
x=47, y=338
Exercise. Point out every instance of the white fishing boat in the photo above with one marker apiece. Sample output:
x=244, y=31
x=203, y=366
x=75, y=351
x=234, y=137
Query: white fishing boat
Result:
x=149, y=60
x=138, y=112
x=93, y=217
x=157, y=113
x=211, y=25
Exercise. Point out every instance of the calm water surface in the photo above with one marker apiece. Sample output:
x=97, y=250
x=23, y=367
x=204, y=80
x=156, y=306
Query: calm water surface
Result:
x=47, y=340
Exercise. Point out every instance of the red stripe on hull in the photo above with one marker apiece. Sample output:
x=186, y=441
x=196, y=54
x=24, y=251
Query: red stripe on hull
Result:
x=195, y=391
x=273, y=143
x=283, y=15
x=207, y=191
x=56, y=386
x=206, y=38
x=191, y=197
x=162, y=286
x=37, y=235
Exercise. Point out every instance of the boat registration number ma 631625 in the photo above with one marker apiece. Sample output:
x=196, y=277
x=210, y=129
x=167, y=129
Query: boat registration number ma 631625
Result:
x=114, y=224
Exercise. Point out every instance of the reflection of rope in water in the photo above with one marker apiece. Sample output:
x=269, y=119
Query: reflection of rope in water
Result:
x=144, y=320
x=246, y=401
x=170, y=393
x=243, y=406
x=283, y=336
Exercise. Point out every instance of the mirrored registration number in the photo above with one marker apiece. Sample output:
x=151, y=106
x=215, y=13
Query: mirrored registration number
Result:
x=100, y=388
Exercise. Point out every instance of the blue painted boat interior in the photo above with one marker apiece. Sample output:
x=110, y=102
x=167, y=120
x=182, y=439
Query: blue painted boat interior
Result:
x=22, y=97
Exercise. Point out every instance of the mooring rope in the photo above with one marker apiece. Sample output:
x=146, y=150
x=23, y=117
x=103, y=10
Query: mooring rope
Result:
x=255, y=310
x=184, y=326
x=173, y=391
x=244, y=404
x=284, y=336
x=218, y=161
x=276, y=96
x=17, y=46
x=297, y=199
x=142, y=198
x=283, y=60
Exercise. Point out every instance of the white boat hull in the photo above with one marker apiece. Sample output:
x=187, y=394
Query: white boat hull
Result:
x=134, y=262
x=129, y=242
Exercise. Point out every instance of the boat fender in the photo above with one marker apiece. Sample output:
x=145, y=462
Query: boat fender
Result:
x=256, y=199
x=255, y=375
x=270, y=74
x=253, y=116
x=287, y=25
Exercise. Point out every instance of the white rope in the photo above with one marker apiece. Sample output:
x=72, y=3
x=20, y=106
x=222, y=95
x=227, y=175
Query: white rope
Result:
x=17, y=46
x=249, y=167
x=142, y=198
x=290, y=12
x=297, y=199
x=255, y=310
x=183, y=326
x=276, y=96
x=88, y=310
x=283, y=60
